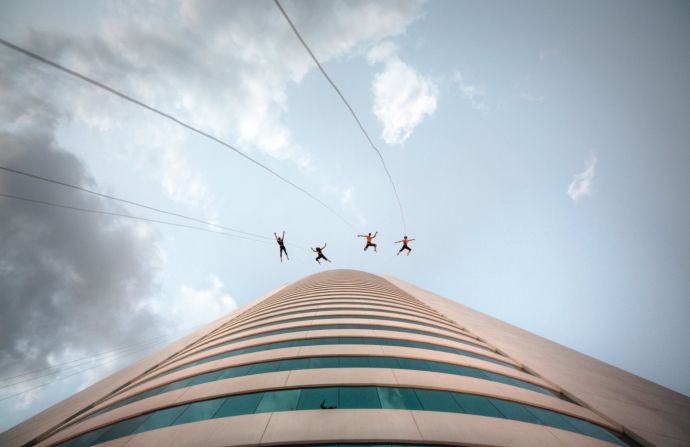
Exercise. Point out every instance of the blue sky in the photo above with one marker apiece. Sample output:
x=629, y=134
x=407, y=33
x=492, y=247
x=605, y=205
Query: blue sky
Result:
x=540, y=150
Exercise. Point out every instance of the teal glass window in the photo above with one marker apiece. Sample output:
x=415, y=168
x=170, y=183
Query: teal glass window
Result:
x=342, y=397
x=198, y=411
x=240, y=404
x=471, y=372
x=283, y=400
x=123, y=428
x=260, y=368
x=324, y=362
x=161, y=418
x=399, y=398
x=383, y=362
x=354, y=362
x=290, y=364
x=551, y=418
x=479, y=405
x=328, y=362
x=592, y=430
x=359, y=397
x=514, y=411
x=85, y=440
x=433, y=400
x=318, y=399
x=237, y=371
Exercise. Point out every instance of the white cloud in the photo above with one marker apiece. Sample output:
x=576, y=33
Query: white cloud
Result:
x=475, y=94
x=402, y=96
x=582, y=182
x=233, y=85
x=192, y=306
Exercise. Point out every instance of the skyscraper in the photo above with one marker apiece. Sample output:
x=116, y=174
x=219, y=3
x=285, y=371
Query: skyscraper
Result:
x=346, y=357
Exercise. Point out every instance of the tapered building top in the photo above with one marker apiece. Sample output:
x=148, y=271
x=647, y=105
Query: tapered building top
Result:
x=346, y=357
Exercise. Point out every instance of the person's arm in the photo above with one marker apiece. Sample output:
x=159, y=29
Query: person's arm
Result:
x=397, y=242
x=361, y=235
x=376, y=234
x=276, y=236
x=324, y=245
x=313, y=250
x=410, y=240
x=283, y=234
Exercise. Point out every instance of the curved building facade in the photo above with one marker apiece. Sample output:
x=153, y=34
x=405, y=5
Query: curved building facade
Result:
x=341, y=357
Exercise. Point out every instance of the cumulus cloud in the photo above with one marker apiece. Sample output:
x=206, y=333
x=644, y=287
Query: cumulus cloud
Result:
x=582, y=182
x=71, y=284
x=198, y=306
x=224, y=66
x=475, y=94
x=402, y=96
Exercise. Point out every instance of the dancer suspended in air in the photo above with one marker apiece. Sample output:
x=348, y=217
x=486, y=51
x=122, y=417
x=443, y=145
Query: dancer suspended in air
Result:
x=281, y=244
x=369, y=239
x=319, y=250
x=404, y=241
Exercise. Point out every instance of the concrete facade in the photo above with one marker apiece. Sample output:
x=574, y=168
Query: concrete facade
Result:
x=345, y=314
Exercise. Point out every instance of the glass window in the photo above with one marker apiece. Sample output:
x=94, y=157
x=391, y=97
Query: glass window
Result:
x=383, y=362
x=441, y=367
x=291, y=364
x=479, y=405
x=264, y=367
x=413, y=364
x=318, y=398
x=354, y=362
x=551, y=418
x=86, y=439
x=198, y=411
x=240, y=404
x=177, y=385
x=433, y=400
x=283, y=400
x=515, y=411
x=589, y=429
x=399, y=398
x=500, y=378
x=359, y=397
x=203, y=378
x=323, y=362
x=236, y=371
x=120, y=429
x=471, y=372
x=161, y=418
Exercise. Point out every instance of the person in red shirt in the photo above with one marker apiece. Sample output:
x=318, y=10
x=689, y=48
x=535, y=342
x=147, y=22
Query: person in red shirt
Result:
x=369, y=239
x=319, y=250
x=404, y=241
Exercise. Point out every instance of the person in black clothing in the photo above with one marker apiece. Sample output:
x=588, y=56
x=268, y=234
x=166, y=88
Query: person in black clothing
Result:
x=319, y=250
x=281, y=244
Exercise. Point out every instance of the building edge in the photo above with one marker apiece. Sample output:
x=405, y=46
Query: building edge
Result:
x=649, y=413
x=52, y=418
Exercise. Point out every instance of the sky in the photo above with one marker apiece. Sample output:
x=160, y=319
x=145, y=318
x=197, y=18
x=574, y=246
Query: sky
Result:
x=540, y=151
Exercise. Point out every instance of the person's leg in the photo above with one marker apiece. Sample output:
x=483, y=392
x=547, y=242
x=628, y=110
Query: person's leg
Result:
x=401, y=250
x=374, y=245
x=366, y=246
x=409, y=250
